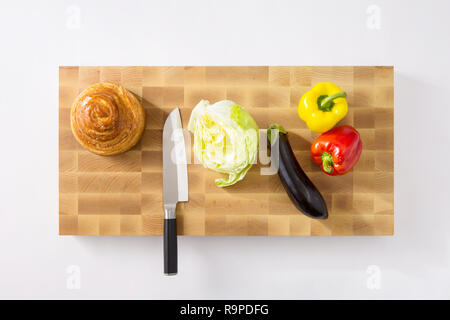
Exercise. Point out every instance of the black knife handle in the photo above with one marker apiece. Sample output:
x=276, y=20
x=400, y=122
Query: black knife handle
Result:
x=170, y=247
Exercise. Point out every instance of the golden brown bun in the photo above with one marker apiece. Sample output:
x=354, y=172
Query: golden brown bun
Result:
x=107, y=119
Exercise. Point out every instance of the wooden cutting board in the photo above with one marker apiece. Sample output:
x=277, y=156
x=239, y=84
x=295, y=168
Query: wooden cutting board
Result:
x=122, y=195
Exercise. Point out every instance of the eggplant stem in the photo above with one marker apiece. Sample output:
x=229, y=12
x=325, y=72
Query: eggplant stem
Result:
x=274, y=126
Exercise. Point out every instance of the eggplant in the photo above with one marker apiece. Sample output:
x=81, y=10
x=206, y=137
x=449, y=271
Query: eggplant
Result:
x=305, y=196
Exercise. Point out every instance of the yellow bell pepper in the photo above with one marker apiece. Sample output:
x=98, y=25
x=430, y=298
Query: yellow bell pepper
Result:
x=323, y=106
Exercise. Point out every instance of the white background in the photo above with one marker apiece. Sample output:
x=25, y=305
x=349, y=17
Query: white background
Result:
x=38, y=36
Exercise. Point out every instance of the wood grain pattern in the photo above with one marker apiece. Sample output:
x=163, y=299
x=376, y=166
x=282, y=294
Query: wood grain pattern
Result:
x=122, y=195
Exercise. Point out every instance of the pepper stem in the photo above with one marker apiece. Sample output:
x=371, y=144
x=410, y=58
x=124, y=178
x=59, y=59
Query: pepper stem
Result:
x=327, y=162
x=326, y=103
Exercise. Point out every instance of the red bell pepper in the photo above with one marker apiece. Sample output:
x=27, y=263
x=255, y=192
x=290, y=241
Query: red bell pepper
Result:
x=337, y=150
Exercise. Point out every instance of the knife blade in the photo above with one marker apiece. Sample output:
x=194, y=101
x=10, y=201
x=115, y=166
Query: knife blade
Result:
x=175, y=185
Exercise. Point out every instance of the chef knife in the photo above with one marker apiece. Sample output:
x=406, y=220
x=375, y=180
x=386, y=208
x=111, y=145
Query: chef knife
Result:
x=175, y=185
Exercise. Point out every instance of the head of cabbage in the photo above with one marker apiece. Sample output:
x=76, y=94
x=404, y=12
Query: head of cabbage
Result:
x=225, y=139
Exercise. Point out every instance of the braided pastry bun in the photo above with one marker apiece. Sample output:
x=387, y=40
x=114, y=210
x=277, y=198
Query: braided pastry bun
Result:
x=107, y=119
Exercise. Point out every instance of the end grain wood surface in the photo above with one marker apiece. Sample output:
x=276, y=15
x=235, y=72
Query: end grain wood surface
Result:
x=122, y=195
